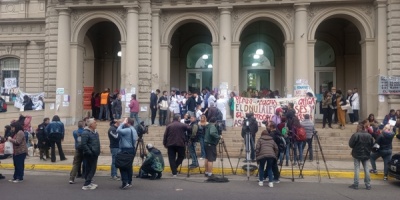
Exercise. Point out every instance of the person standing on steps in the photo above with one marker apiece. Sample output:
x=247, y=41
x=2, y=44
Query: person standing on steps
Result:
x=134, y=108
x=153, y=105
x=326, y=109
x=55, y=132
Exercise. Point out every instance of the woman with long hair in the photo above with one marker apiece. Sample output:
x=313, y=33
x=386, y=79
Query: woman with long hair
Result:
x=341, y=101
x=20, y=151
x=326, y=109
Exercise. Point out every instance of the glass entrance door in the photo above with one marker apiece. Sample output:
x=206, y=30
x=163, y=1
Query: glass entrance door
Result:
x=324, y=80
x=194, y=81
x=197, y=79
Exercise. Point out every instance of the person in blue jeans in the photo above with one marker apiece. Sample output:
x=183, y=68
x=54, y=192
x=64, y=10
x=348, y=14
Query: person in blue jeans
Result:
x=297, y=145
x=266, y=153
x=114, y=147
x=20, y=151
x=385, y=151
x=128, y=137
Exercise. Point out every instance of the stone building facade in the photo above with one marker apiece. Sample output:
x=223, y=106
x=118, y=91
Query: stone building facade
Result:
x=142, y=45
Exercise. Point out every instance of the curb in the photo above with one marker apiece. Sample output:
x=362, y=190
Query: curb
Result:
x=227, y=171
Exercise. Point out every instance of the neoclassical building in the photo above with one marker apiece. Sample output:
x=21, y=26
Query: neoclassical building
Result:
x=142, y=45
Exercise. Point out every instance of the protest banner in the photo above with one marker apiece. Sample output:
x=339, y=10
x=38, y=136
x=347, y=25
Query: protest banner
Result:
x=18, y=103
x=264, y=109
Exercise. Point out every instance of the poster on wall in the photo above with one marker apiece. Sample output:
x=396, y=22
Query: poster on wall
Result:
x=264, y=109
x=10, y=83
x=389, y=85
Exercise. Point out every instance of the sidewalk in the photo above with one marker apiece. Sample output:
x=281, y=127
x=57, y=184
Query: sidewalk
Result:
x=337, y=169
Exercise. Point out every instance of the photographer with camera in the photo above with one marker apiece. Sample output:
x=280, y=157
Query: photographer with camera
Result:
x=250, y=125
x=193, y=139
x=174, y=141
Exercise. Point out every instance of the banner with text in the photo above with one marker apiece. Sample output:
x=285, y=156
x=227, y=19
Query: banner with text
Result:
x=20, y=98
x=264, y=109
x=389, y=85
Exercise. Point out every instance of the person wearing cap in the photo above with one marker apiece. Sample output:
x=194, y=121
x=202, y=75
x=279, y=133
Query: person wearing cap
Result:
x=153, y=166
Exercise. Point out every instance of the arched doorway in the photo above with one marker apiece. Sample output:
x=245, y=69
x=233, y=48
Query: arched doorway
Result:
x=337, y=57
x=191, y=58
x=102, y=61
x=261, y=60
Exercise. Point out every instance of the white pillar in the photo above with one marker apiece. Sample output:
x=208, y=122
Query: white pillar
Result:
x=235, y=67
x=272, y=79
x=225, y=46
x=311, y=66
x=289, y=72
x=300, y=42
x=155, y=49
x=381, y=44
x=369, y=79
x=63, y=62
x=76, y=96
x=165, y=69
x=215, y=70
x=132, y=49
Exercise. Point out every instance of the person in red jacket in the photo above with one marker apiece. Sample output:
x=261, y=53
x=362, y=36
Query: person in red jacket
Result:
x=134, y=108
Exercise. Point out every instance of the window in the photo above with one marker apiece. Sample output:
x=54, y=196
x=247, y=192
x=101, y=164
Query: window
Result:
x=9, y=69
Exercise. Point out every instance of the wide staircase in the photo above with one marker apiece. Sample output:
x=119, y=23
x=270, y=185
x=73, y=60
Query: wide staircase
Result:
x=334, y=142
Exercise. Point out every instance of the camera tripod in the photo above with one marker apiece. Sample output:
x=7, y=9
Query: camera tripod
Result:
x=315, y=139
x=248, y=140
x=140, y=146
x=291, y=158
x=187, y=155
x=221, y=149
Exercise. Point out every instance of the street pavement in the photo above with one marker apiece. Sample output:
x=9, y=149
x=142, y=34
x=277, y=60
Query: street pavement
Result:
x=54, y=185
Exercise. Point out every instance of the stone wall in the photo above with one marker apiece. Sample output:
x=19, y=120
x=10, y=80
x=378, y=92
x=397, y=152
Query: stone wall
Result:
x=394, y=46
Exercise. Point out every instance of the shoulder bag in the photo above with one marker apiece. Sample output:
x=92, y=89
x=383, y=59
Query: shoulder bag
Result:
x=123, y=159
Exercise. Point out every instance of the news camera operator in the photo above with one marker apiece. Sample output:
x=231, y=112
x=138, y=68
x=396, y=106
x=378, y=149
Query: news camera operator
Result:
x=193, y=139
x=153, y=166
x=250, y=125
x=174, y=141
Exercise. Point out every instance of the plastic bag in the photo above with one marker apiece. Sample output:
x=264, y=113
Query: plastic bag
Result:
x=8, y=148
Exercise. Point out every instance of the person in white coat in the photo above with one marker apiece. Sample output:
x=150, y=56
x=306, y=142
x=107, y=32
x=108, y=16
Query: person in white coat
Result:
x=355, y=105
x=221, y=105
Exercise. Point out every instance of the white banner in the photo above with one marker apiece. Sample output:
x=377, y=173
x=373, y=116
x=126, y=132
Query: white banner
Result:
x=20, y=98
x=10, y=83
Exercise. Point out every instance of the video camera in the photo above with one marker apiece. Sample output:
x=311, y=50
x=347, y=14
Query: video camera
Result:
x=142, y=129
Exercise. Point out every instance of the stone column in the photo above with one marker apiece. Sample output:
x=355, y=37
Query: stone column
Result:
x=76, y=96
x=369, y=79
x=225, y=46
x=215, y=70
x=272, y=79
x=300, y=42
x=155, y=48
x=131, y=78
x=235, y=67
x=381, y=44
x=288, y=87
x=63, y=62
x=165, y=69
x=311, y=66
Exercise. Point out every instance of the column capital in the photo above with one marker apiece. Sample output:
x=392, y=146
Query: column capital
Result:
x=312, y=42
x=155, y=12
x=367, y=40
x=63, y=11
x=122, y=43
x=225, y=9
x=165, y=45
x=132, y=8
x=214, y=44
x=235, y=44
x=288, y=43
x=380, y=3
x=301, y=6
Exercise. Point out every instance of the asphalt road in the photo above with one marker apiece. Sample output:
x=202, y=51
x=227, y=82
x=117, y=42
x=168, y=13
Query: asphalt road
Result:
x=54, y=185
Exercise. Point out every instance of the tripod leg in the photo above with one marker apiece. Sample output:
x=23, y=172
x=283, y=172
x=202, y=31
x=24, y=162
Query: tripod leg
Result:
x=227, y=155
x=240, y=156
x=323, y=156
x=187, y=157
x=222, y=158
x=284, y=154
x=305, y=158
x=291, y=158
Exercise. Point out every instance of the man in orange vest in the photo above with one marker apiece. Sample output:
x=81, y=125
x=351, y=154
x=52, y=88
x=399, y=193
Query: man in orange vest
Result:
x=104, y=105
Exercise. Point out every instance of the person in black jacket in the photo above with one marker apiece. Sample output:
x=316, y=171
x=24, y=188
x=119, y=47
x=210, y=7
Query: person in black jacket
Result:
x=280, y=142
x=27, y=103
x=163, y=111
x=384, y=141
x=43, y=141
x=174, y=141
x=191, y=104
x=361, y=143
x=153, y=105
x=253, y=128
x=90, y=145
x=114, y=147
x=117, y=107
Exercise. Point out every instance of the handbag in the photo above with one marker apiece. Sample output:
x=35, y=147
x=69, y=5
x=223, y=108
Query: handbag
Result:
x=8, y=148
x=123, y=159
